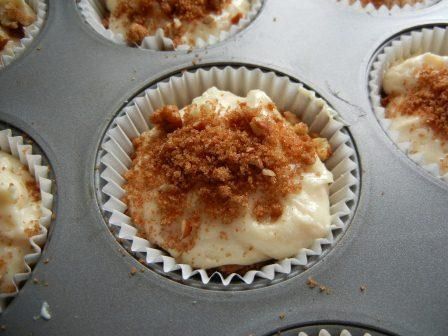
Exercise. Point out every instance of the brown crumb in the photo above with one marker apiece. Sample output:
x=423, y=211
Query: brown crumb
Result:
x=35, y=280
x=236, y=18
x=282, y=316
x=46, y=261
x=363, y=288
x=105, y=21
x=312, y=283
x=133, y=271
x=136, y=33
x=167, y=118
x=3, y=42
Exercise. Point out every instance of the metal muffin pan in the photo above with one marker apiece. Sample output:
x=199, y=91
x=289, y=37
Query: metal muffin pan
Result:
x=65, y=89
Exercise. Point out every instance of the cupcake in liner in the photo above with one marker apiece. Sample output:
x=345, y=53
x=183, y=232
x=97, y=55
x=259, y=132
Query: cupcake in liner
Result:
x=94, y=12
x=389, y=6
x=14, y=145
x=10, y=53
x=181, y=90
x=410, y=44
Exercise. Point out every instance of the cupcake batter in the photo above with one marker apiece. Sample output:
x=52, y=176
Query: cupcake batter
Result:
x=20, y=212
x=417, y=105
x=260, y=190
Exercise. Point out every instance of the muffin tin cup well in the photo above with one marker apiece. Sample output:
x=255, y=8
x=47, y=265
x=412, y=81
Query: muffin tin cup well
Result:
x=9, y=54
x=15, y=146
x=409, y=44
x=94, y=11
x=390, y=7
x=180, y=90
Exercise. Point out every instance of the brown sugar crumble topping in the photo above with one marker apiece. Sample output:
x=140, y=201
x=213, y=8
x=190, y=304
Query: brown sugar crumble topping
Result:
x=173, y=16
x=428, y=99
x=211, y=166
x=14, y=16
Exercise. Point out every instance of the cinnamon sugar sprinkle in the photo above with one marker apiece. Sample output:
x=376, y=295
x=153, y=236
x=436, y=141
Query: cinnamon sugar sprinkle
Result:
x=207, y=166
x=146, y=16
x=428, y=99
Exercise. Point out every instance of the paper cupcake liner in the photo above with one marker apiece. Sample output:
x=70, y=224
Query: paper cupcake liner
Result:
x=417, y=42
x=9, y=54
x=180, y=90
x=325, y=332
x=94, y=11
x=14, y=146
x=333, y=330
x=394, y=6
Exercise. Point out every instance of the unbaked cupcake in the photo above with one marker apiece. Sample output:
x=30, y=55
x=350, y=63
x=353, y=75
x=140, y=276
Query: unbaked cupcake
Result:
x=118, y=157
x=20, y=214
x=14, y=16
x=183, y=21
x=228, y=181
x=416, y=103
x=26, y=200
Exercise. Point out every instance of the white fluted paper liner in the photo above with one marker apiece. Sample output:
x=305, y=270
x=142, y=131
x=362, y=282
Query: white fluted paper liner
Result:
x=417, y=42
x=180, y=91
x=395, y=6
x=24, y=152
x=9, y=54
x=94, y=11
x=325, y=332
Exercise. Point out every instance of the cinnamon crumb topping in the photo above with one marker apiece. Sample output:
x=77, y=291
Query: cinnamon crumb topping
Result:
x=208, y=166
x=428, y=99
x=171, y=15
x=15, y=15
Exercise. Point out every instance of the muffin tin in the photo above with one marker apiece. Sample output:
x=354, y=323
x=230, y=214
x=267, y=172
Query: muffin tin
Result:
x=387, y=272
